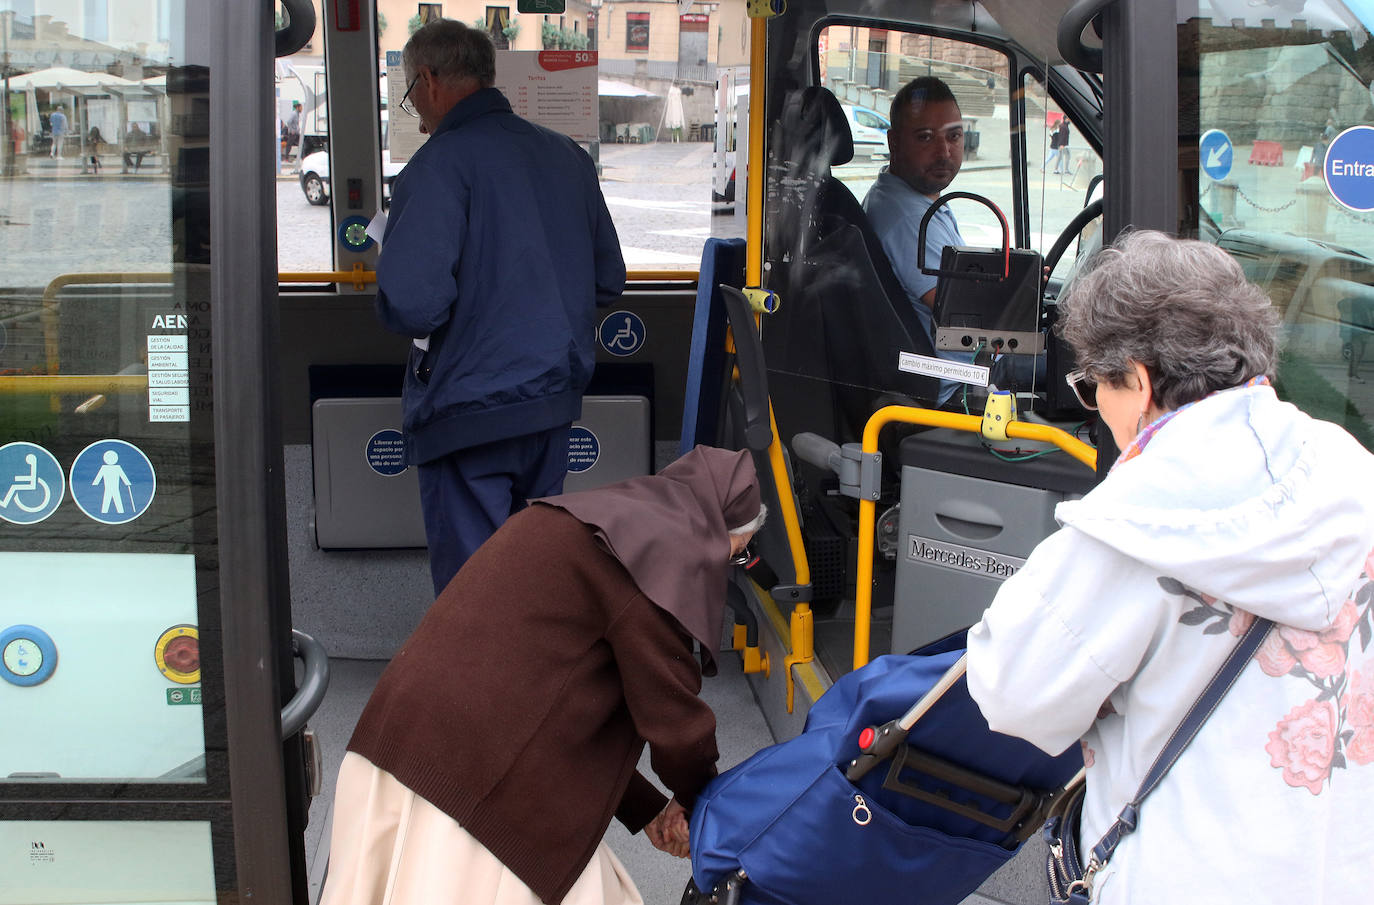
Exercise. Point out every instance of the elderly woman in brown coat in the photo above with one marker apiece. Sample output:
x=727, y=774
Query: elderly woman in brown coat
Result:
x=505, y=734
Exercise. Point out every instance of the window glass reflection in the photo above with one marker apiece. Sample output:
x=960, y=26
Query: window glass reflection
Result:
x=106, y=454
x=1262, y=102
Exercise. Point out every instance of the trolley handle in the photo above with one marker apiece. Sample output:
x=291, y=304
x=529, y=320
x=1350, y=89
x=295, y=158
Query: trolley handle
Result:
x=876, y=743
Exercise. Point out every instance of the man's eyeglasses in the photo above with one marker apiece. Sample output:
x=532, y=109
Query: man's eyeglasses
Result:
x=407, y=104
x=1084, y=387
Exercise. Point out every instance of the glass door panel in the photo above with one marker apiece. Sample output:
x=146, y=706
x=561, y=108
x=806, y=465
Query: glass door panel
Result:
x=114, y=780
x=106, y=469
x=56, y=862
x=1277, y=138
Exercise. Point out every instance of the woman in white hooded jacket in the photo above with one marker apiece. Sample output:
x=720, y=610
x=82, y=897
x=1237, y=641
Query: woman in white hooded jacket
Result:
x=1225, y=504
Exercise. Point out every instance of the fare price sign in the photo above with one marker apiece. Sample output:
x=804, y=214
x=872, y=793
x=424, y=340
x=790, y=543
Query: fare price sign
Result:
x=554, y=88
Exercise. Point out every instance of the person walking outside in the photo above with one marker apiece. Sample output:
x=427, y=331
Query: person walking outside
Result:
x=291, y=130
x=498, y=248
x=1226, y=505
x=1059, y=147
x=503, y=737
x=57, y=121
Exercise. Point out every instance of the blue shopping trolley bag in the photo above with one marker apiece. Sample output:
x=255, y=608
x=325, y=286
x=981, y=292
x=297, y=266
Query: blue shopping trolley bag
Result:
x=926, y=825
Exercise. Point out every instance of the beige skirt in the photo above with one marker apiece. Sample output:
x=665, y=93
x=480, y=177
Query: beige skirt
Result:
x=391, y=847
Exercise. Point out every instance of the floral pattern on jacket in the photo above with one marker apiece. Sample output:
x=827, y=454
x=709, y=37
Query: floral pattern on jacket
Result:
x=1335, y=727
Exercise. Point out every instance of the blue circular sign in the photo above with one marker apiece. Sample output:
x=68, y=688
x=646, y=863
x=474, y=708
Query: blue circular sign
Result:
x=583, y=449
x=1216, y=153
x=622, y=333
x=27, y=655
x=386, y=453
x=31, y=483
x=113, y=482
x=1349, y=168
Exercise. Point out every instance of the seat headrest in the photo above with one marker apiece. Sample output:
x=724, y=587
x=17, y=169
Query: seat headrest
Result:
x=817, y=127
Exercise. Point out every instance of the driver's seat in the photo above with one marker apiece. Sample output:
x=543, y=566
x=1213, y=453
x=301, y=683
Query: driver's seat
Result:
x=844, y=316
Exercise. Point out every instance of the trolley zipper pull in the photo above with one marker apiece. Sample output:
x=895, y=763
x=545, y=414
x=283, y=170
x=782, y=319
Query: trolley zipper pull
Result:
x=862, y=815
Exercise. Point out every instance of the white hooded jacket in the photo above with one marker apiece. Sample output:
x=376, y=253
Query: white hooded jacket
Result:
x=1239, y=505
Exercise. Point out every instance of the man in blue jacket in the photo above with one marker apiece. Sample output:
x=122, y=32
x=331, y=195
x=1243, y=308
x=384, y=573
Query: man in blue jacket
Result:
x=498, y=248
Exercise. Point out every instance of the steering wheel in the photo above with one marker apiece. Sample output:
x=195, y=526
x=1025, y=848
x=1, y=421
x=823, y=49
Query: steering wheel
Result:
x=1081, y=219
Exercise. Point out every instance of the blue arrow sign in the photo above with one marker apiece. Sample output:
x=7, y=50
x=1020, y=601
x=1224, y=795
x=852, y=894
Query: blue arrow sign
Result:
x=113, y=482
x=31, y=483
x=1216, y=153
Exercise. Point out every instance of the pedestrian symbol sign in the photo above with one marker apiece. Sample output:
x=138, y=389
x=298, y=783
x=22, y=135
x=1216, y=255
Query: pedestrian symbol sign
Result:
x=113, y=482
x=31, y=483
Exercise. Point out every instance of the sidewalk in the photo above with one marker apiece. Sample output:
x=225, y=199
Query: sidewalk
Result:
x=68, y=167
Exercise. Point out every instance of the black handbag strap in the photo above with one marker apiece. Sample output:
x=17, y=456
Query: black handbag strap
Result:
x=1202, y=708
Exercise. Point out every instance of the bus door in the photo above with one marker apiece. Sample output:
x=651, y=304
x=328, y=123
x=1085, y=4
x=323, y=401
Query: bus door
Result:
x=145, y=649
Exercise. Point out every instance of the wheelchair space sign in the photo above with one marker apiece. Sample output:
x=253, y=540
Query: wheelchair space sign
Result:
x=113, y=482
x=31, y=483
x=622, y=333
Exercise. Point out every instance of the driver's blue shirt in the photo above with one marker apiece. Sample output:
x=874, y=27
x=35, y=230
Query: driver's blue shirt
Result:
x=895, y=210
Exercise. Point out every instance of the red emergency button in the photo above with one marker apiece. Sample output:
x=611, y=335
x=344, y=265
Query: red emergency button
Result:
x=177, y=653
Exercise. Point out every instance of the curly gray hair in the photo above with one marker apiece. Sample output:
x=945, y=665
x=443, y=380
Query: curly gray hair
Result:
x=453, y=50
x=1180, y=307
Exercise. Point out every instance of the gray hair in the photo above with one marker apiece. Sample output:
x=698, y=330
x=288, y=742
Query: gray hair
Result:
x=1180, y=307
x=753, y=524
x=453, y=50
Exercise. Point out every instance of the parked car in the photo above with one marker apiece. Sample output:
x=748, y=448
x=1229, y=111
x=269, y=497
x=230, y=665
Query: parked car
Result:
x=314, y=171
x=315, y=176
x=868, y=128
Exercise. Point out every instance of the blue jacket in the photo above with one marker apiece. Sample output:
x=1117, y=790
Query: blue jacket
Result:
x=499, y=247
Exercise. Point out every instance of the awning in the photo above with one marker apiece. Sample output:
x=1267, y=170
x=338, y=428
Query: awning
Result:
x=62, y=78
x=613, y=88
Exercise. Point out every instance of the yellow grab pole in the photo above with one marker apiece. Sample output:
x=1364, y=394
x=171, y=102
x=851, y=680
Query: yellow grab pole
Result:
x=758, y=64
x=1021, y=430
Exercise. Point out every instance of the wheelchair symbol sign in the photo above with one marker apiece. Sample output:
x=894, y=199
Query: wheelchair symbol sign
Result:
x=622, y=333
x=31, y=483
x=113, y=482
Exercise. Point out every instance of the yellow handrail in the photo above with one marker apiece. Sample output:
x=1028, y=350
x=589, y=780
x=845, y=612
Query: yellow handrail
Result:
x=54, y=382
x=901, y=414
x=58, y=384
x=48, y=315
x=662, y=276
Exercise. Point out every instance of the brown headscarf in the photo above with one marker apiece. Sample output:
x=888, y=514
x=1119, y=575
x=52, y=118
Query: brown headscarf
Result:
x=671, y=533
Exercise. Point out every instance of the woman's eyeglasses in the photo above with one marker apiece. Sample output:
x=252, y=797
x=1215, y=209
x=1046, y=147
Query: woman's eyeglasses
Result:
x=1084, y=387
